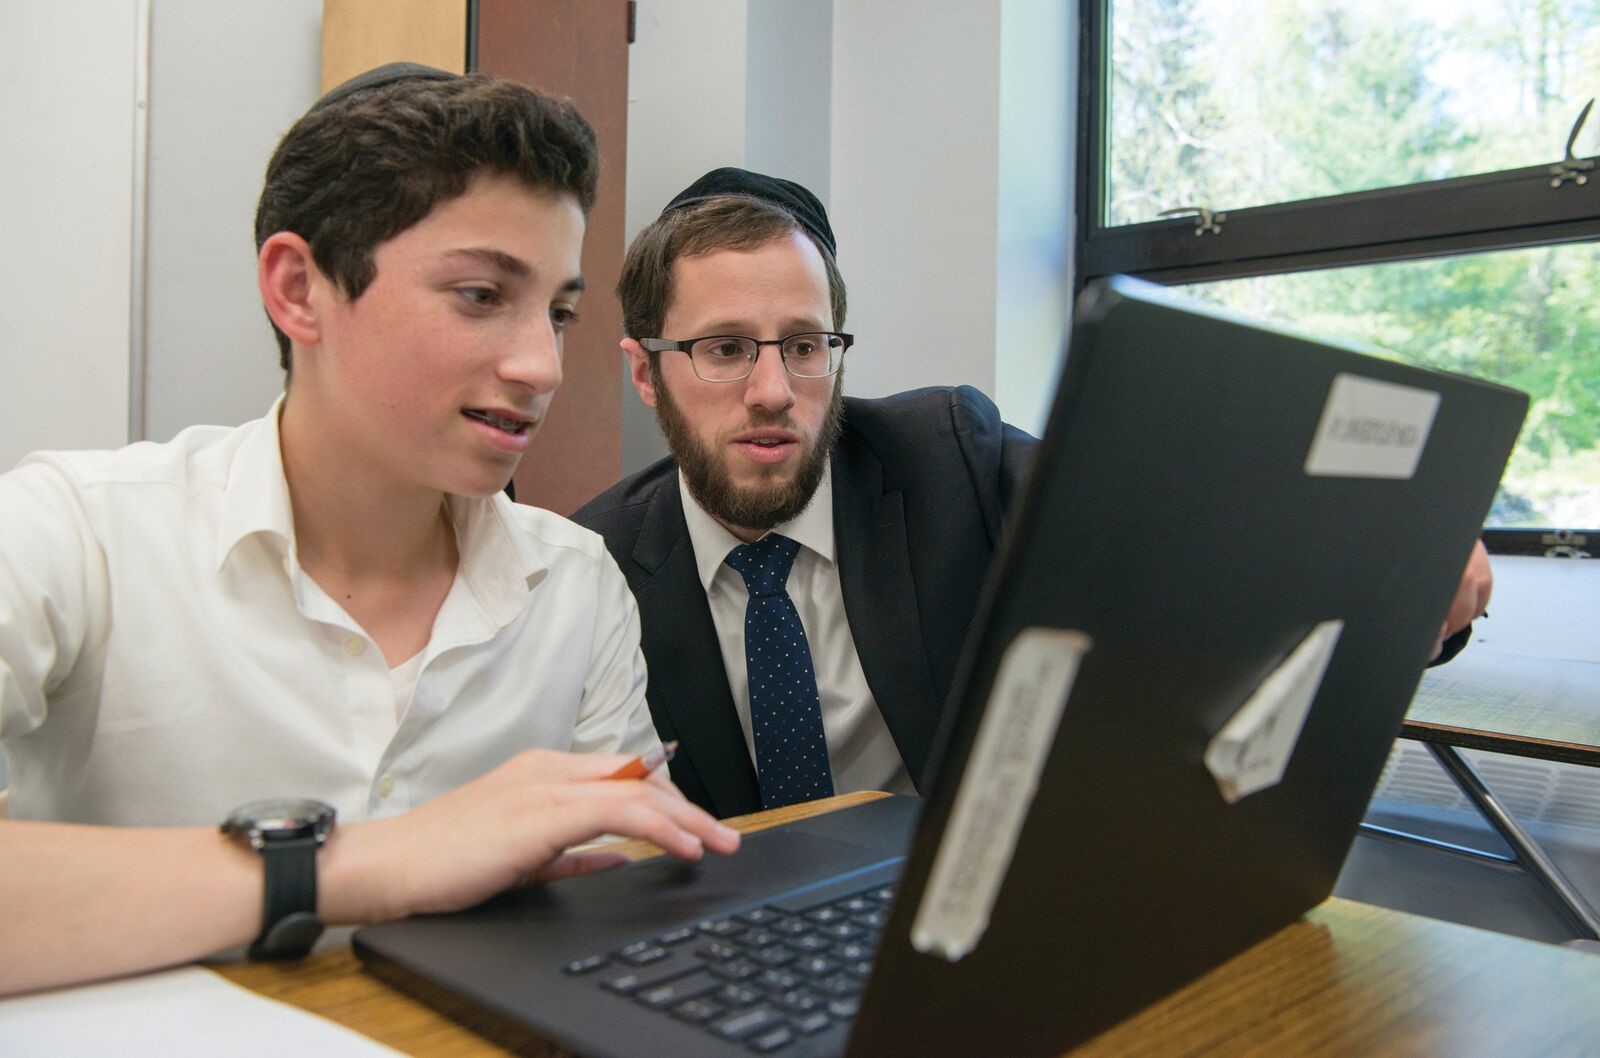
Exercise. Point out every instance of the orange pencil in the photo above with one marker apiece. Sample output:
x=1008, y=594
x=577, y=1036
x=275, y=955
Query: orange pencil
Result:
x=645, y=763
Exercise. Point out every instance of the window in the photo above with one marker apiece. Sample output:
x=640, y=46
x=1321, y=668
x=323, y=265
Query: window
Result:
x=1395, y=174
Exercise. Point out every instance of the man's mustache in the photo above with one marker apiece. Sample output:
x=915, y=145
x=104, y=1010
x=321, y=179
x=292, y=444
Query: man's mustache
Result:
x=779, y=421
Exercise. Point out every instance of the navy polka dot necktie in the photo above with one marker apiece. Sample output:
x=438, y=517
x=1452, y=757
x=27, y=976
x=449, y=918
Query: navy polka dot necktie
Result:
x=791, y=751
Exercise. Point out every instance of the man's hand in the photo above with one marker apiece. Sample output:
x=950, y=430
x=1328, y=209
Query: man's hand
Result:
x=507, y=829
x=1472, y=597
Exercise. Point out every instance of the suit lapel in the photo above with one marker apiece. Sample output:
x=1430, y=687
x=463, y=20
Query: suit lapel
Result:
x=688, y=681
x=880, y=601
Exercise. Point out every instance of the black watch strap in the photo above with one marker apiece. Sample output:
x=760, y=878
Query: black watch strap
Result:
x=289, y=922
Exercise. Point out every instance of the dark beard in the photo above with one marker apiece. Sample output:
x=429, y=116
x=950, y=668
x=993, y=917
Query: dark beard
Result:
x=764, y=506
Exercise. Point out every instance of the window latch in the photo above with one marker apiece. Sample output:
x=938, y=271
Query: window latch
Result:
x=1564, y=543
x=1206, y=221
x=1570, y=167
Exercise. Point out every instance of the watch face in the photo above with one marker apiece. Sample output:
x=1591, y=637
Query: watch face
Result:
x=281, y=817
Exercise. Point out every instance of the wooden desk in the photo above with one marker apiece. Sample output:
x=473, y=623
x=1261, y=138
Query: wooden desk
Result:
x=1348, y=979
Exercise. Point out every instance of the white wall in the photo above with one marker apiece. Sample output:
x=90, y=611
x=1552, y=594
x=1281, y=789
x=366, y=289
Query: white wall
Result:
x=227, y=80
x=686, y=98
x=952, y=194
x=789, y=92
x=66, y=184
x=1034, y=205
x=915, y=176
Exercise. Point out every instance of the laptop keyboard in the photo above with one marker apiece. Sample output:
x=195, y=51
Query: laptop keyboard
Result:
x=763, y=977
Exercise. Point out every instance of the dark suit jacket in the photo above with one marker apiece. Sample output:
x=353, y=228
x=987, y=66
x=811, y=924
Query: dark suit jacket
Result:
x=920, y=483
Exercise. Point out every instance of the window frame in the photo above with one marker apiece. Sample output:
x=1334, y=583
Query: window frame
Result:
x=1507, y=210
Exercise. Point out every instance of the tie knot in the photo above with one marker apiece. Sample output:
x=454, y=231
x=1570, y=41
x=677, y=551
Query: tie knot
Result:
x=764, y=565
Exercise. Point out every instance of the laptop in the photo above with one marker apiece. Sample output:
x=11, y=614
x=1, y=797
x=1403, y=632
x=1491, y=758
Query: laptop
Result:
x=1212, y=605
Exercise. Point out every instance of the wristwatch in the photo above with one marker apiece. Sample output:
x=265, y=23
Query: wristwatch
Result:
x=287, y=832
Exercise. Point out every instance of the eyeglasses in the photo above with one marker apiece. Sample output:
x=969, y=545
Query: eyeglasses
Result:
x=731, y=357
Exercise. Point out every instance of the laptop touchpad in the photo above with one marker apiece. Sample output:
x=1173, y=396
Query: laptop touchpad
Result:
x=664, y=892
x=765, y=861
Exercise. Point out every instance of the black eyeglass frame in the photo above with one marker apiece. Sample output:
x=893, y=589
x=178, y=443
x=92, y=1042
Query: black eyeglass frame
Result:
x=686, y=346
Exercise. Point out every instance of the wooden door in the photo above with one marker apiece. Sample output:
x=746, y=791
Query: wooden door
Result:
x=579, y=49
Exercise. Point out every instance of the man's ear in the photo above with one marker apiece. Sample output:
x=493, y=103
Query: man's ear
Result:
x=639, y=371
x=286, y=275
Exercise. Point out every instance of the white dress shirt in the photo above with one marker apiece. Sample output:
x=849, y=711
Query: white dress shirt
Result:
x=860, y=748
x=164, y=657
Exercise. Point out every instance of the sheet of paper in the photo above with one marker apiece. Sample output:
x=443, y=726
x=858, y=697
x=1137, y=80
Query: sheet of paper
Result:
x=170, y=1014
x=997, y=787
x=1253, y=748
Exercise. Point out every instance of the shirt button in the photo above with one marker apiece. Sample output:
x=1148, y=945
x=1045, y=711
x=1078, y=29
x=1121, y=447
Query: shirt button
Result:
x=355, y=646
x=386, y=786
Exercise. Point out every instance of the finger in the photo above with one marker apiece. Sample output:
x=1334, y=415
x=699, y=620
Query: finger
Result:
x=1485, y=586
x=674, y=823
x=638, y=818
x=716, y=836
x=555, y=817
x=1463, y=609
x=1480, y=575
x=663, y=778
x=549, y=818
x=1469, y=599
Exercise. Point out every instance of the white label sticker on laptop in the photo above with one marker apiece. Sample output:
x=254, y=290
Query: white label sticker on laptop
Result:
x=1371, y=429
x=997, y=787
x=1252, y=750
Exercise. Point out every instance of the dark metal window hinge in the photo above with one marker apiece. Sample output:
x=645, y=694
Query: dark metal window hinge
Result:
x=1205, y=221
x=633, y=20
x=1570, y=167
x=1564, y=543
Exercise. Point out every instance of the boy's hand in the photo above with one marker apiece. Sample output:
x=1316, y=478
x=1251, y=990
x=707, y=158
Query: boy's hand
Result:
x=509, y=828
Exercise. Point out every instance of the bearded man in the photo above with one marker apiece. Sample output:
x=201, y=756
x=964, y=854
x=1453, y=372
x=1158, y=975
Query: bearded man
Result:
x=805, y=563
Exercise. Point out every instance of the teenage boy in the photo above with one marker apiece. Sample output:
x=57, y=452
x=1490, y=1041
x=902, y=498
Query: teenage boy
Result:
x=334, y=605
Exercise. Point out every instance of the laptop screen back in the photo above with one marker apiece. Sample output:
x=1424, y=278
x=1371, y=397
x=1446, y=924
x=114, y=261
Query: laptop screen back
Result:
x=1206, y=497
